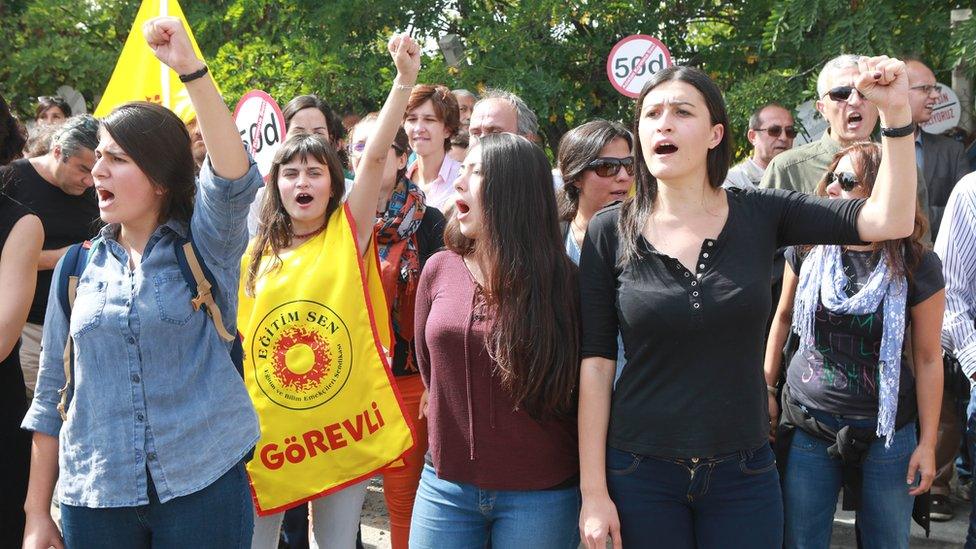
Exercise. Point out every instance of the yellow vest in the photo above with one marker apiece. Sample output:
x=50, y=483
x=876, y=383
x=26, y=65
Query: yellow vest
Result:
x=316, y=341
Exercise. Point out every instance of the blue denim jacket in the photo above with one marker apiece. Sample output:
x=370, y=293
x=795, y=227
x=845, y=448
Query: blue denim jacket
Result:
x=154, y=385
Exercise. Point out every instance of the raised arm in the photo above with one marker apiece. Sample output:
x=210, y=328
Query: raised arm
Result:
x=170, y=42
x=366, y=190
x=890, y=212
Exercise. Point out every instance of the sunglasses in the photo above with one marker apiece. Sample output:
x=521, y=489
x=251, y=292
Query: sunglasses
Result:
x=842, y=93
x=775, y=131
x=846, y=180
x=609, y=167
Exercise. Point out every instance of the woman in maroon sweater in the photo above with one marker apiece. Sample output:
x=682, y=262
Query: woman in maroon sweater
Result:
x=497, y=341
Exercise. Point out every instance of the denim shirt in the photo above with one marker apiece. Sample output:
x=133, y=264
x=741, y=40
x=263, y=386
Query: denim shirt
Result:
x=154, y=386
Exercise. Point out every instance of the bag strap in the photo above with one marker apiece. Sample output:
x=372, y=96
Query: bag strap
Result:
x=74, y=263
x=201, y=283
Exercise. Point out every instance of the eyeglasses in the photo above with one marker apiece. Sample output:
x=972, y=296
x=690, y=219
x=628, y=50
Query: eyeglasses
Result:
x=927, y=88
x=775, y=131
x=842, y=93
x=609, y=167
x=846, y=180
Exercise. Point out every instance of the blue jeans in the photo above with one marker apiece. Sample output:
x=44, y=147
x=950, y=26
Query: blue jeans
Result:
x=216, y=517
x=462, y=516
x=813, y=482
x=728, y=501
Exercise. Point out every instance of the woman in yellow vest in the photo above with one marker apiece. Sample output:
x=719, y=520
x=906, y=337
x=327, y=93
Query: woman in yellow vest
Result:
x=316, y=332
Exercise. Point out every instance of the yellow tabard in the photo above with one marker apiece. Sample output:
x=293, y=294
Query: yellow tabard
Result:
x=315, y=340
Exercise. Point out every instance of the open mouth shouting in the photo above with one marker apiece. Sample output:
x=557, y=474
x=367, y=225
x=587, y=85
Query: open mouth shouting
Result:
x=854, y=120
x=461, y=207
x=105, y=197
x=304, y=199
x=665, y=147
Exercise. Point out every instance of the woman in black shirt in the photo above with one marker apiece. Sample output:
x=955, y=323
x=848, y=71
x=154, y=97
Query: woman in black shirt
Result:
x=851, y=307
x=683, y=270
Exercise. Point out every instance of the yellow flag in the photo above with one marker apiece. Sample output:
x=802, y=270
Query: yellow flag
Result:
x=316, y=336
x=139, y=76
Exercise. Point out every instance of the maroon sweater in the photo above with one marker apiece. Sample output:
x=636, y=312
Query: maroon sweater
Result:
x=476, y=434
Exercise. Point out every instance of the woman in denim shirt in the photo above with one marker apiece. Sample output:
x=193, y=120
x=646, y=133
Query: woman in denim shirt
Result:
x=150, y=452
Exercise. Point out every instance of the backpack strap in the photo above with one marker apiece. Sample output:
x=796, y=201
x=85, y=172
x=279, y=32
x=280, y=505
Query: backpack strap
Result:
x=201, y=283
x=74, y=263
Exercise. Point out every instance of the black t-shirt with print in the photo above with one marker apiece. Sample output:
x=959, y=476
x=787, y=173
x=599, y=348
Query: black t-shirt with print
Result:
x=67, y=219
x=840, y=373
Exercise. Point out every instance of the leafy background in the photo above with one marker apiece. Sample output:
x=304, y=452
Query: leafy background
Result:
x=551, y=52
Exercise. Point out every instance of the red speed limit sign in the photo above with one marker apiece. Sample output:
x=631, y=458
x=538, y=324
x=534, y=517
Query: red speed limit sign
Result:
x=633, y=60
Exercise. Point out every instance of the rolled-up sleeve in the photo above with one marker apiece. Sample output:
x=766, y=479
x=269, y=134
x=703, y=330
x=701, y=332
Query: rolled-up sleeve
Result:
x=43, y=416
x=219, y=222
x=598, y=288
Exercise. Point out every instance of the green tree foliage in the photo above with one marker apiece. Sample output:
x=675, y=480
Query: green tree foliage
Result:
x=551, y=52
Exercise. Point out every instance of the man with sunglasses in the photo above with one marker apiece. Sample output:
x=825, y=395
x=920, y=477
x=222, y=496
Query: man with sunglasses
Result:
x=851, y=119
x=771, y=131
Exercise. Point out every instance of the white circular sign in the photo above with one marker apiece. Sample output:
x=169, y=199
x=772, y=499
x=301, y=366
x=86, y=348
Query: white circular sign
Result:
x=946, y=112
x=634, y=60
x=262, y=127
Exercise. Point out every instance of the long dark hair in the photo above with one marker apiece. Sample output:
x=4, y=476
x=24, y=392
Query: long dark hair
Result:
x=903, y=254
x=580, y=146
x=530, y=283
x=157, y=141
x=11, y=135
x=636, y=210
x=274, y=230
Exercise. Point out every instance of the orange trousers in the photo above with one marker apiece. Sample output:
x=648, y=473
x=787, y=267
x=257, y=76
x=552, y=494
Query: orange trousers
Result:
x=400, y=485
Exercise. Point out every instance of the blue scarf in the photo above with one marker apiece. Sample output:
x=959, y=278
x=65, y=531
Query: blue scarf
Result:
x=822, y=280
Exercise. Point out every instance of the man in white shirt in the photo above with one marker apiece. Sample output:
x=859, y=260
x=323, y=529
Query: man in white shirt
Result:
x=956, y=246
x=771, y=131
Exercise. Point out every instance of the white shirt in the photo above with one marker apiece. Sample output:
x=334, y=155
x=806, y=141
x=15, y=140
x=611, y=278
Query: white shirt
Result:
x=744, y=175
x=956, y=246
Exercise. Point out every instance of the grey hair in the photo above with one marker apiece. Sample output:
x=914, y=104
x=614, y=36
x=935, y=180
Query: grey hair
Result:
x=844, y=61
x=528, y=124
x=78, y=132
x=461, y=92
x=755, y=123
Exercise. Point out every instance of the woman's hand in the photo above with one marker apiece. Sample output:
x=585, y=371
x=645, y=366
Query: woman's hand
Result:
x=406, y=57
x=884, y=82
x=40, y=532
x=773, y=416
x=922, y=463
x=598, y=519
x=170, y=42
x=423, y=405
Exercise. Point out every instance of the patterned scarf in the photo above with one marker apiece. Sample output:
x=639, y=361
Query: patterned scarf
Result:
x=396, y=243
x=822, y=278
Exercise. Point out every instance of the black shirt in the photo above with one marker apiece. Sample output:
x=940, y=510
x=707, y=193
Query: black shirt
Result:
x=693, y=384
x=840, y=374
x=66, y=219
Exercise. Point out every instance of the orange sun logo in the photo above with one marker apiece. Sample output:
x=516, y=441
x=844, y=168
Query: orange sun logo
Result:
x=302, y=359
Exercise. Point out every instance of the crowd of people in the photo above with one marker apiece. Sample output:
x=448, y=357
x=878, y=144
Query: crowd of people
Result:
x=641, y=345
